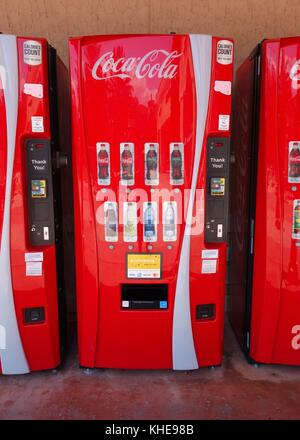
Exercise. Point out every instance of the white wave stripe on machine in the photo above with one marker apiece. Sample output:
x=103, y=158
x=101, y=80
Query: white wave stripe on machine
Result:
x=12, y=357
x=184, y=354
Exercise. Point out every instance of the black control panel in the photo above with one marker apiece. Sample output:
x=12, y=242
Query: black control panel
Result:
x=217, y=189
x=40, y=192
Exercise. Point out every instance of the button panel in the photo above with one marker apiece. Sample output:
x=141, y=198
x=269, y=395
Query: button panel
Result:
x=40, y=192
x=217, y=188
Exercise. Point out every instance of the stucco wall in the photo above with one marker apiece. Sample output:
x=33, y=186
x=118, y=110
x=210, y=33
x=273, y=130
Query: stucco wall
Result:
x=247, y=21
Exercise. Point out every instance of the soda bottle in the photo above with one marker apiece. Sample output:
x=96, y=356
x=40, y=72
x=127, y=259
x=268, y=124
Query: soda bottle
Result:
x=103, y=164
x=111, y=221
x=176, y=164
x=169, y=221
x=294, y=163
x=151, y=163
x=149, y=223
x=296, y=222
x=127, y=163
x=130, y=222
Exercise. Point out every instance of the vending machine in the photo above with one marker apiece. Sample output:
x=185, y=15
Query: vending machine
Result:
x=151, y=131
x=34, y=140
x=265, y=271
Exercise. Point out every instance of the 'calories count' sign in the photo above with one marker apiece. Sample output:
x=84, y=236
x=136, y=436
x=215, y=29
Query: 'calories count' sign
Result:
x=224, y=52
x=32, y=52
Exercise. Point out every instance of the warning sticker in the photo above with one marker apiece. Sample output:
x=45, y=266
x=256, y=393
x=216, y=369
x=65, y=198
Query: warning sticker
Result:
x=224, y=121
x=209, y=266
x=37, y=124
x=34, y=256
x=144, y=266
x=224, y=52
x=32, y=52
x=210, y=253
x=34, y=268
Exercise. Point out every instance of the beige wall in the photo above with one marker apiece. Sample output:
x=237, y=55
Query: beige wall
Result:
x=247, y=21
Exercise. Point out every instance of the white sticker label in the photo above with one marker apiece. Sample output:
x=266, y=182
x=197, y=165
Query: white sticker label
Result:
x=35, y=90
x=34, y=269
x=295, y=75
x=37, y=124
x=209, y=266
x=224, y=121
x=210, y=253
x=223, y=87
x=34, y=256
x=32, y=51
x=147, y=274
x=224, y=52
x=125, y=304
x=103, y=163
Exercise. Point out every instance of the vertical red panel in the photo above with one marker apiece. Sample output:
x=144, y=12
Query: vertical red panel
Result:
x=40, y=341
x=275, y=302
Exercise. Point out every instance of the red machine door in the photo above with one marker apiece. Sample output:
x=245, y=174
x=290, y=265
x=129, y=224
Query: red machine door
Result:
x=275, y=325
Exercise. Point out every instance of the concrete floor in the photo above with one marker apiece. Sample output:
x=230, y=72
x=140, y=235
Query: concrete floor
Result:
x=234, y=391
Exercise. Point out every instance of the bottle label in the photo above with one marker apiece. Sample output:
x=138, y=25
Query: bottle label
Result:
x=177, y=163
x=294, y=162
x=169, y=221
x=151, y=164
x=103, y=163
x=150, y=221
x=127, y=163
x=296, y=220
x=130, y=222
x=111, y=221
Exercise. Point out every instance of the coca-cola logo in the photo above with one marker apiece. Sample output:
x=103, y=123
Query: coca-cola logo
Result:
x=127, y=161
x=295, y=75
x=103, y=160
x=156, y=63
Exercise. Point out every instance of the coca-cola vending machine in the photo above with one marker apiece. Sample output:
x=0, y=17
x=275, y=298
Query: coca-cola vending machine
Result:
x=33, y=146
x=151, y=131
x=265, y=273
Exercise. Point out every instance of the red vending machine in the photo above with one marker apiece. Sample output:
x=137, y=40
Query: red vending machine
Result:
x=33, y=84
x=265, y=271
x=151, y=131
